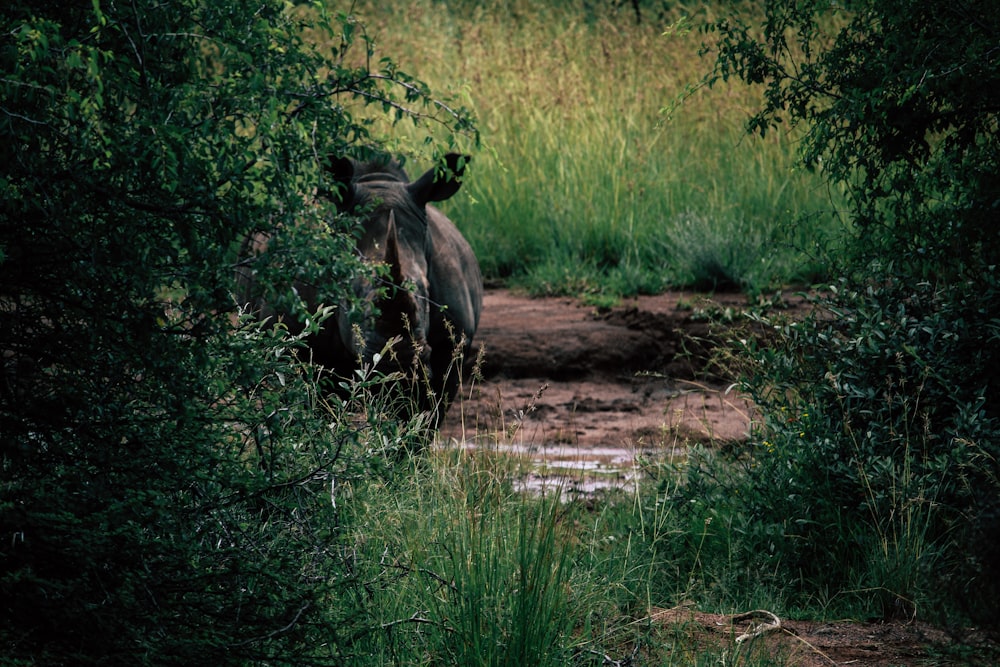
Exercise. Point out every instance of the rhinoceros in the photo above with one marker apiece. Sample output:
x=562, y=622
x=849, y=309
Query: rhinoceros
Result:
x=428, y=304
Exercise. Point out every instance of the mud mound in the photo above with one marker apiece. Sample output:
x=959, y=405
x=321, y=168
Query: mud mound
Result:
x=562, y=339
x=636, y=375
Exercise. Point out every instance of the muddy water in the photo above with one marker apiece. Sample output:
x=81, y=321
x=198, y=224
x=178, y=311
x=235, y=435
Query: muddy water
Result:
x=588, y=435
x=582, y=392
x=574, y=473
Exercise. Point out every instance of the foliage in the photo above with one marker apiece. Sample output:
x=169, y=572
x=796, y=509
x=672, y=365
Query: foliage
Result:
x=899, y=105
x=876, y=466
x=168, y=468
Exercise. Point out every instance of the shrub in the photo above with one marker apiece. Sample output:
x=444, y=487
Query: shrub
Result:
x=878, y=447
x=167, y=473
x=875, y=458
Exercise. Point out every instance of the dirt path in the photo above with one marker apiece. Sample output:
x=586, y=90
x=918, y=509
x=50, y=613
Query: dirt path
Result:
x=820, y=643
x=588, y=389
x=583, y=392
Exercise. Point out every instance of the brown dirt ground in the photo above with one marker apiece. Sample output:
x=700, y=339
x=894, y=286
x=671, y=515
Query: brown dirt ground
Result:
x=637, y=376
x=591, y=389
x=819, y=643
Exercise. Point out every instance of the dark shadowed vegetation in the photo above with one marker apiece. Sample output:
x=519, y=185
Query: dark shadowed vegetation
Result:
x=169, y=471
x=875, y=467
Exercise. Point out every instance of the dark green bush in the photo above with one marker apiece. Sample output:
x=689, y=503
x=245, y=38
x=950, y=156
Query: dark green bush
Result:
x=875, y=465
x=878, y=442
x=168, y=474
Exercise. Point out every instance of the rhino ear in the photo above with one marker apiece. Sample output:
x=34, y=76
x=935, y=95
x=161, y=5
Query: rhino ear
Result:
x=342, y=171
x=430, y=187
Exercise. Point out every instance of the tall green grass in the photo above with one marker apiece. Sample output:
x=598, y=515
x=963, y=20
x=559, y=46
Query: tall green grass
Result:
x=460, y=567
x=592, y=171
x=464, y=569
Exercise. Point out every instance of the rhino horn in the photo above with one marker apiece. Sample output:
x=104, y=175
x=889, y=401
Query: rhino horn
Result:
x=392, y=251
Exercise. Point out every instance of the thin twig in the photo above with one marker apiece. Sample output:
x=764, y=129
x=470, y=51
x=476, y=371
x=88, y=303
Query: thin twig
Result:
x=416, y=618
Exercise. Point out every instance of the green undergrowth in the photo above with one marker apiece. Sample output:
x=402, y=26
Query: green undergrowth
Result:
x=461, y=566
x=449, y=559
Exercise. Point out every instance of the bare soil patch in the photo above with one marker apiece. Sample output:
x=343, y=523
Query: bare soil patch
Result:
x=820, y=643
x=637, y=376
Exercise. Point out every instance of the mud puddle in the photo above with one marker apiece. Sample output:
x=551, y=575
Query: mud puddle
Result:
x=584, y=392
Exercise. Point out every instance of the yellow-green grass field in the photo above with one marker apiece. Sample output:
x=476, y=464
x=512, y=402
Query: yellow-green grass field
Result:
x=605, y=167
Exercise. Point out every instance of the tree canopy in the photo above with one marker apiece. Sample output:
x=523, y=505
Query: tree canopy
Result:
x=899, y=102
